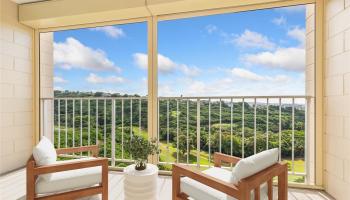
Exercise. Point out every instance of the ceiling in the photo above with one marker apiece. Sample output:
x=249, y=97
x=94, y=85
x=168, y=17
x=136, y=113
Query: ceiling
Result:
x=26, y=1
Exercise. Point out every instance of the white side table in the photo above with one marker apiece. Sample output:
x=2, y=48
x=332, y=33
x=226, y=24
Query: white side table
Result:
x=140, y=185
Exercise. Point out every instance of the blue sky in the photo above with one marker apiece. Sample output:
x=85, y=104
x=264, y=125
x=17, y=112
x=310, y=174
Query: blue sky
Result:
x=249, y=53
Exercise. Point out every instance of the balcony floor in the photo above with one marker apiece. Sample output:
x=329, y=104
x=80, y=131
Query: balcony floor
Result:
x=12, y=187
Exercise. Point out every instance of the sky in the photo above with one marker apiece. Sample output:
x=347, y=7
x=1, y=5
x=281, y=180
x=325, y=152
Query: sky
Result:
x=248, y=53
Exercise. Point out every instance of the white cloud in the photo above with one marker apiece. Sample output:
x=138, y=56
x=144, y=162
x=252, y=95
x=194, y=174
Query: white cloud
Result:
x=246, y=74
x=165, y=65
x=58, y=79
x=251, y=39
x=286, y=58
x=141, y=60
x=189, y=71
x=111, y=31
x=279, y=21
x=298, y=34
x=231, y=86
x=94, y=78
x=73, y=54
x=249, y=75
x=211, y=28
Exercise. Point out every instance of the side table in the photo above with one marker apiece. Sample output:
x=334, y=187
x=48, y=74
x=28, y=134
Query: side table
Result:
x=140, y=185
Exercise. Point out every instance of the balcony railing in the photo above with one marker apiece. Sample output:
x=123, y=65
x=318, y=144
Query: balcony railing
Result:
x=190, y=129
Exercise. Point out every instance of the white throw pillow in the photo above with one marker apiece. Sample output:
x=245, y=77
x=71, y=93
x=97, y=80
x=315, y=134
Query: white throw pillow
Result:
x=254, y=164
x=44, y=153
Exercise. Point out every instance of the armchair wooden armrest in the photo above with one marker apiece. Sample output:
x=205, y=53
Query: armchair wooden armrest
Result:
x=92, y=148
x=58, y=167
x=180, y=170
x=219, y=157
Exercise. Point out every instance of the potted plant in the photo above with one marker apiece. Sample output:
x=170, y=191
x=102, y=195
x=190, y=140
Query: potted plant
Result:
x=140, y=148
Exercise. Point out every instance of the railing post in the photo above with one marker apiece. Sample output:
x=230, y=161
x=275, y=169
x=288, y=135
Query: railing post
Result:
x=122, y=128
x=242, y=127
x=167, y=124
x=140, y=113
x=113, y=133
x=167, y=129
x=254, y=126
x=209, y=130
x=293, y=132
x=59, y=123
x=73, y=123
x=231, y=128
x=96, y=137
x=177, y=131
x=89, y=119
x=66, y=124
x=104, y=128
x=267, y=123
x=198, y=131
x=131, y=126
x=220, y=134
x=280, y=129
x=187, y=131
x=81, y=123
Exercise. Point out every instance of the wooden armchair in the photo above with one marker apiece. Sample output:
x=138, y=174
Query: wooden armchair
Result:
x=34, y=171
x=240, y=191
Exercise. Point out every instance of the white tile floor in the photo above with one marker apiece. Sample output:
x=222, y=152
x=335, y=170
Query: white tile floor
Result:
x=12, y=187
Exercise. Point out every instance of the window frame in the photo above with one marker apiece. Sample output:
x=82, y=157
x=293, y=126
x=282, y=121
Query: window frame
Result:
x=152, y=22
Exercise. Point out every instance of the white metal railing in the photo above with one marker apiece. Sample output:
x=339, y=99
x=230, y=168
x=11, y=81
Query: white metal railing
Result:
x=110, y=124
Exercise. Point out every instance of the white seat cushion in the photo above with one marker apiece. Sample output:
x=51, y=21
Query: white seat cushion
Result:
x=199, y=191
x=69, y=180
x=251, y=165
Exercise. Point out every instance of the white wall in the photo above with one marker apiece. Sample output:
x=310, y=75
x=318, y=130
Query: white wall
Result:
x=16, y=90
x=46, y=84
x=337, y=99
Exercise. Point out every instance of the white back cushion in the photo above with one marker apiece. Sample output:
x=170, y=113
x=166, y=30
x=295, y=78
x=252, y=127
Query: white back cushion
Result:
x=254, y=164
x=44, y=152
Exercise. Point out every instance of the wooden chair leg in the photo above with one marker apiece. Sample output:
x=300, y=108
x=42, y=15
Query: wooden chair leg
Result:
x=105, y=181
x=257, y=193
x=245, y=195
x=175, y=184
x=283, y=185
x=30, y=181
x=269, y=189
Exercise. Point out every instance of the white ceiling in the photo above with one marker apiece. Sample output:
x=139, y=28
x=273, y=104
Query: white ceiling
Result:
x=26, y=1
